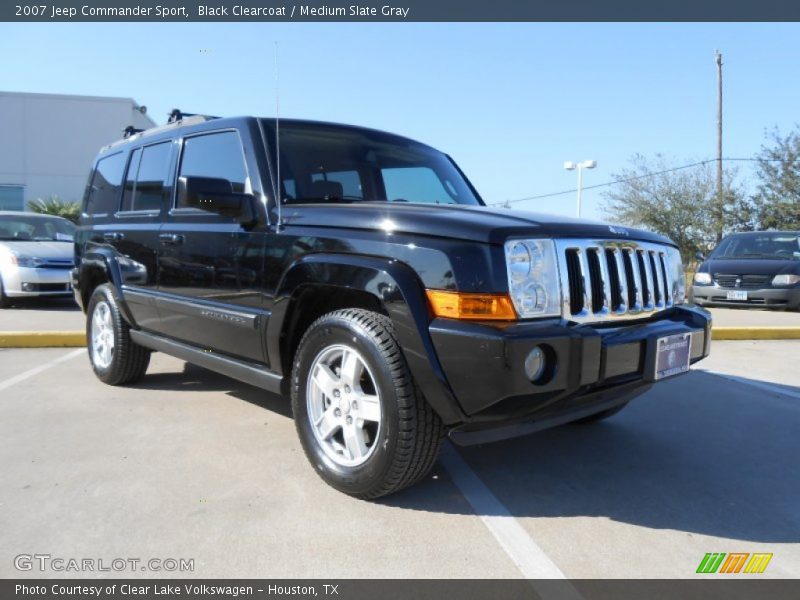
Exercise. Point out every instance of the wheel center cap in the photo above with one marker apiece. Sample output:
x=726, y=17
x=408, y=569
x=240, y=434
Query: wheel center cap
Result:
x=344, y=405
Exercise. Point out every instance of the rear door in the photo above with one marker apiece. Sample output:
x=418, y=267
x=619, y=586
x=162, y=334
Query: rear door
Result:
x=210, y=265
x=146, y=191
x=124, y=220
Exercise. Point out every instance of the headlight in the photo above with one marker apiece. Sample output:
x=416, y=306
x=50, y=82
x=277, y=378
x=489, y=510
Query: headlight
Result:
x=786, y=280
x=702, y=278
x=533, y=278
x=677, y=276
x=25, y=261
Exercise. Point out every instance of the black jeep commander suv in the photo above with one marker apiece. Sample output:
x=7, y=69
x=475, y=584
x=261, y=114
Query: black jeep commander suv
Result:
x=380, y=293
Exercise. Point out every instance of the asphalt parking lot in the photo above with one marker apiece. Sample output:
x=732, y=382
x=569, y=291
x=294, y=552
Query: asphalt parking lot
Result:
x=190, y=464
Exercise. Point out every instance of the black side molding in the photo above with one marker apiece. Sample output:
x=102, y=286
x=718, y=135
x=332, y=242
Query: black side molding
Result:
x=246, y=372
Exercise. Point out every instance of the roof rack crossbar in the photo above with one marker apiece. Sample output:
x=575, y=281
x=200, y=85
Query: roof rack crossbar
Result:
x=178, y=115
x=130, y=130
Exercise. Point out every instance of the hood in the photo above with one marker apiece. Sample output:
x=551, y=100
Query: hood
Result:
x=475, y=223
x=746, y=266
x=50, y=250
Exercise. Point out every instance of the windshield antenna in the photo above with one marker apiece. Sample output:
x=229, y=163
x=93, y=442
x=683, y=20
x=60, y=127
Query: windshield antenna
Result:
x=277, y=142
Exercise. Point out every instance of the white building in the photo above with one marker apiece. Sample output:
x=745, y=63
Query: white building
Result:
x=48, y=141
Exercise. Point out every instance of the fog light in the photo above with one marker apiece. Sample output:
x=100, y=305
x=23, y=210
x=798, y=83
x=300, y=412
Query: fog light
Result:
x=27, y=287
x=534, y=364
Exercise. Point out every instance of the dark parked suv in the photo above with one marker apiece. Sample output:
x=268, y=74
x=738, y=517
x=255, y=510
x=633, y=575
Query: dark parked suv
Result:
x=380, y=294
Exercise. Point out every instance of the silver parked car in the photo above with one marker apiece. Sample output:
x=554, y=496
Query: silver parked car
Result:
x=36, y=256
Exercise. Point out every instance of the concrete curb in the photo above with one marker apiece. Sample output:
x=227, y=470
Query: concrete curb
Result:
x=77, y=339
x=755, y=333
x=42, y=339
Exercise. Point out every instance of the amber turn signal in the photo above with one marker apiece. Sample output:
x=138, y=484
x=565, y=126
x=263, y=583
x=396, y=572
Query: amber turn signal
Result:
x=458, y=305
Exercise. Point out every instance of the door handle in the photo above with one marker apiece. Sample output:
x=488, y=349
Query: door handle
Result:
x=170, y=239
x=113, y=236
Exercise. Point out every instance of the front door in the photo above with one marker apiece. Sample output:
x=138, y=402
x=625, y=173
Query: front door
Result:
x=210, y=265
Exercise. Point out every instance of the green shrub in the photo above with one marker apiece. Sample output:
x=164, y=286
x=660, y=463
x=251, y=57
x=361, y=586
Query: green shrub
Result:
x=52, y=205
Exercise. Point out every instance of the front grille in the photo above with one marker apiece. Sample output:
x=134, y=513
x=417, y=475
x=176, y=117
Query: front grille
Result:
x=56, y=264
x=613, y=279
x=742, y=282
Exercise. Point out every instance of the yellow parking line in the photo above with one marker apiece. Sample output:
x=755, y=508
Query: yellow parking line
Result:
x=755, y=333
x=42, y=339
x=67, y=339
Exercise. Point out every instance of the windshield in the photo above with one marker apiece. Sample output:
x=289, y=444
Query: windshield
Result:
x=326, y=163
x=776, y=246
x=24, y=228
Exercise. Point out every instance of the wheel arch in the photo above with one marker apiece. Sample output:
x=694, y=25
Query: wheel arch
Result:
x=321, y=283
x=96, y=268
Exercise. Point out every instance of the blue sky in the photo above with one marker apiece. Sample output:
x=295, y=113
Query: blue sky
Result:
x=510, y=102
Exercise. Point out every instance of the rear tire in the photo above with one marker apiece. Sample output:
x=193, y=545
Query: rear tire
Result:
x=601, y=416
x=115, y=358
x=362, y=421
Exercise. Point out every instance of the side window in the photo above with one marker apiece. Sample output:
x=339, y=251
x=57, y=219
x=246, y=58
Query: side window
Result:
x=218, y=159
x=147, y=174
x=103, y=196
x=416, y=184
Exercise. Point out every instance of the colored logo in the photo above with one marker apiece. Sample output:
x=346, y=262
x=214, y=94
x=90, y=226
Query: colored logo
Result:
x=734, y=562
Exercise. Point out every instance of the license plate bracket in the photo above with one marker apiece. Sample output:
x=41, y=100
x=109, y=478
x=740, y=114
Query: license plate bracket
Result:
x=672, y=355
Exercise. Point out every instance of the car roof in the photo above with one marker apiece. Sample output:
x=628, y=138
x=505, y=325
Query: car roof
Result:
x=201, y=122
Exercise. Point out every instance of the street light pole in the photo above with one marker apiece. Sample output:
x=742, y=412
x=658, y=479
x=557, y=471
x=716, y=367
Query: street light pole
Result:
x=572, y=166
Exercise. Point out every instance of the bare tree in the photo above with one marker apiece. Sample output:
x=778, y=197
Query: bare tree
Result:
x=680, y=203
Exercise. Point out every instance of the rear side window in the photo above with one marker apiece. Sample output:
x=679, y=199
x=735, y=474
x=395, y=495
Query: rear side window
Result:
x=104, y=189
x=216, y=156
x=146, y=179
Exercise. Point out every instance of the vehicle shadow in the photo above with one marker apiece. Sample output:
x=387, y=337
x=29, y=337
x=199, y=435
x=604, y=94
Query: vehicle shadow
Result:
x=196, y=379
x=700, y=454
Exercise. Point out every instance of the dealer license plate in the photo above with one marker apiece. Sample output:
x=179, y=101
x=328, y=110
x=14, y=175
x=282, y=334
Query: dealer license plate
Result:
x=736, y=295
x=673, y=354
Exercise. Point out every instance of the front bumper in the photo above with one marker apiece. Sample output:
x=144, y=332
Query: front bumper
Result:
x=595, y=368
x=23, y=282
x=714, y=295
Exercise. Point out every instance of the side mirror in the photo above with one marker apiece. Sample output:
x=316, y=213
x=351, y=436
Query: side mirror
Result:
x=700, y=256
x=216, y=196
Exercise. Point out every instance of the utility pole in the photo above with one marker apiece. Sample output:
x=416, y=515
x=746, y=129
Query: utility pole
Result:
x=720, y=192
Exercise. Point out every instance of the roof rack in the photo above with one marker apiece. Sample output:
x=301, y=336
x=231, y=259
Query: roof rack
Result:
x=129, y=131
x=178, y=115
x=176, y=119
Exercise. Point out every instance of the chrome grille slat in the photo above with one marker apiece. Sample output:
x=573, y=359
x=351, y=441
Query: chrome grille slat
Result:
x=605, y=281
x=662, y=268
x=647, y=283
x=638, y=290
x=658, y=286
x=623, y=282
x=587, y=295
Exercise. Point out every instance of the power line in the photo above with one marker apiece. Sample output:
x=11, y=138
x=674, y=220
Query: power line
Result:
x=629, y=179
x=599, y=185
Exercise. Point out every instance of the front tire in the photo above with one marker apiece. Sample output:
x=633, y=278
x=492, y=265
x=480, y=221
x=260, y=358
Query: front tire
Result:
x=115, y=358
x=362, y=421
